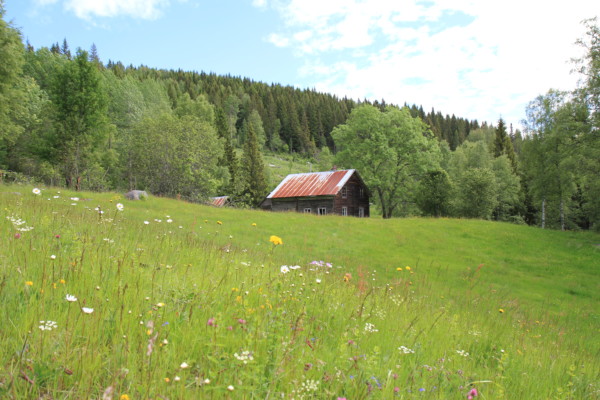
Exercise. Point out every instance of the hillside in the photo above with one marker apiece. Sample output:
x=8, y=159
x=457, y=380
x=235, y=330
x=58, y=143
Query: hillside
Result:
x=171, y=299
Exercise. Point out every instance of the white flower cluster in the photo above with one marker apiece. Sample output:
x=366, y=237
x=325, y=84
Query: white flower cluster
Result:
x=309, y=386
x=370, y=328
x=287, y=268
x=244, y=357
x=462, y=353
x=48, y=325
x=405, y=350
x=19, y=224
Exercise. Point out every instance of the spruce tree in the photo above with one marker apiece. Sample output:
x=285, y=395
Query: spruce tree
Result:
x=255, y=183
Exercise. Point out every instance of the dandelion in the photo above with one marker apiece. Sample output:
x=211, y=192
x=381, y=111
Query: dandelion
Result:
x=120, y=206
x=29, y=283
x=501, y=310
x=276, y=240
x=124, y=397
x=399, y=269
x=254, y=224
x=87, y=310
x=407, y=268
x=219, y=223
x=284, y=269
x=36, y=191
x=70, y=298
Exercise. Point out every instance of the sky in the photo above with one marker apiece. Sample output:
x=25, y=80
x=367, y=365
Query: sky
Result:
x=476, y=59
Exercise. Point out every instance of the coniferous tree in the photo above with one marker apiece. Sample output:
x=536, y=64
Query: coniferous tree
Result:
x=253, y=169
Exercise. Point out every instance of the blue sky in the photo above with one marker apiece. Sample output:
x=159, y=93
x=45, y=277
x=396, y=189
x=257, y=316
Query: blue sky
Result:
x=476, y=59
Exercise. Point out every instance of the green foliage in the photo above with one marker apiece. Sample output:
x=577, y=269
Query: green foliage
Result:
x=434, y=194
x=390, y=151
x=173, y=156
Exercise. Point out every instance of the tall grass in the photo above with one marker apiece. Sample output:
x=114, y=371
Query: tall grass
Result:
x=196, y=303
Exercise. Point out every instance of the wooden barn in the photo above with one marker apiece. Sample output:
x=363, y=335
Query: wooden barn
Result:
x=330, y=192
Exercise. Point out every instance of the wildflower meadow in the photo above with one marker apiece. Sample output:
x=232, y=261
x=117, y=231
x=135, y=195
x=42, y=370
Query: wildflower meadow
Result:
x=104, y=298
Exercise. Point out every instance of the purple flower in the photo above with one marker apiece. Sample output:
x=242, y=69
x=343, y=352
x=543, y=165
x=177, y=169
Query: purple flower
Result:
x=211, y=322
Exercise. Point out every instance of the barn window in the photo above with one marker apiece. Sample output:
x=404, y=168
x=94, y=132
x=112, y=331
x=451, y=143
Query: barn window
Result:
x=361, y=193
x=344, y=192
x=344, y=211
x=361, y=212
x=307, y=210
x=322, y=211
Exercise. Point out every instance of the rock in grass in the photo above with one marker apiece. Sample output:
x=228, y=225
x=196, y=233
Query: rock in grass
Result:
x=136, y=195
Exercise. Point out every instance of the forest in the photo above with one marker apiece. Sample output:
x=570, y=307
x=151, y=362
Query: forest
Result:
x=69, y=119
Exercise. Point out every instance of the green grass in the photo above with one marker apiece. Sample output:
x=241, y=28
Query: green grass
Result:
x=207, y=286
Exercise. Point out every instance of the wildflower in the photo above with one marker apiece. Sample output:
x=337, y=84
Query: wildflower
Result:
x=318, y=280
x=405, y=350
x=177, y=379
x=407, y=268
x=206, y=381
x=501, y=310
x=230, y=388
x=29, y=283
x=184, y=365
x=276, y=240
x=462, y=353
x=47, y=325
x=57, y=236
x=347, y=277
x=36, y=191
x=75, y=198
x=472, y=393
x=284, y=269
x=167, y=380
x=53, y=257
x=254, y=224
x=120, y=206
x=169, y=221
x=244, y=357
x=17, y=235
x=219, y=223
x=399, y=269
x=87, y=310
x=146, y=222
x=63, y=281
x=211, y=322
x=124, y=397
x=70, y=298
x=159, y=305
x=370, y=328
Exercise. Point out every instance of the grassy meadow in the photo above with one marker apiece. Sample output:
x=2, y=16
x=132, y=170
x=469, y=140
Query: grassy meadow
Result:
x=170, y=300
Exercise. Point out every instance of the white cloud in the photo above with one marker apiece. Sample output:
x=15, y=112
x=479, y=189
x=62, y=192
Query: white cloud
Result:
x=142, y=9
x=488, y=66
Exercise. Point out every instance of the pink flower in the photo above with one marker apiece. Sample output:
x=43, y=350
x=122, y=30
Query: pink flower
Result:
x=242, y=321
x=211, y=322
x=472, y=393
x=17, y=235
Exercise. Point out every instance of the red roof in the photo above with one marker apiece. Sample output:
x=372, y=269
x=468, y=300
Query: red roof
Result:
x=327, y=183
x=218, y=201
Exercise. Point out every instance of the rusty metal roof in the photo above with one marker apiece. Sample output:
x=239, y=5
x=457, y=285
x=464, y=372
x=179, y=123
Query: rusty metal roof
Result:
x=218, y=201
x=327, y=183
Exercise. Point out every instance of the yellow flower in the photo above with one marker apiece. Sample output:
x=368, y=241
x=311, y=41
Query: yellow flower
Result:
x=399, y=269
x=501, y=310
x=219, y=223
x=63, y=281
x=276, y=240
x=29, y=283
x=159, y=305
x=407, y=268
x=167, y=380
x=254, y=224
x=123, y=396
